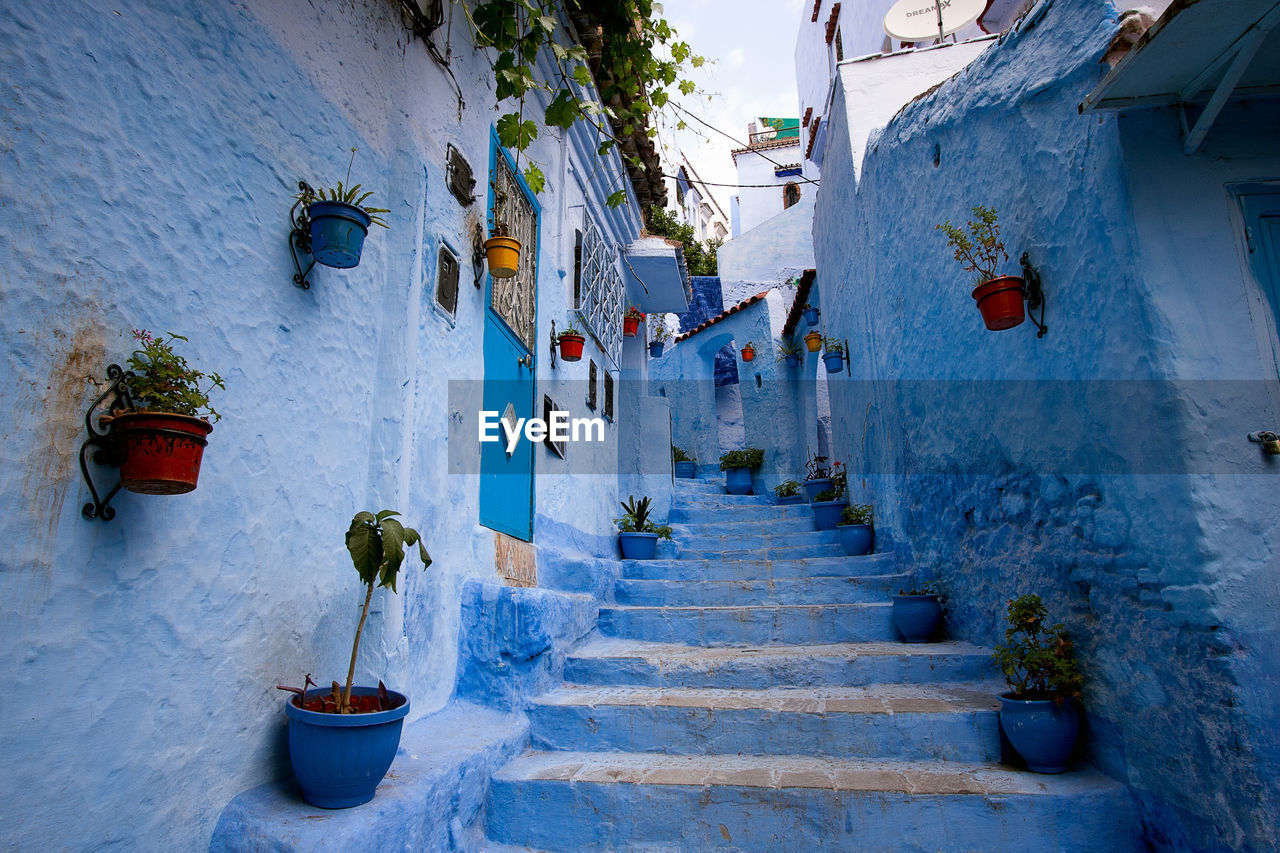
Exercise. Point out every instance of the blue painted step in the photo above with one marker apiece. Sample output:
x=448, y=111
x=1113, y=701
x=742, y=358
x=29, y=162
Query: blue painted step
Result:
x=722, y=593
x=955, y=722
x=721, y=515
x=760, y=569
x=751, y=625
x=770, y=537
x=613, y=660
x=606, y=801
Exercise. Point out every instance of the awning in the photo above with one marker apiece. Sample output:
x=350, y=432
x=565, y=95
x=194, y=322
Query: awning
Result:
x=659, y=278
x=1199, y=52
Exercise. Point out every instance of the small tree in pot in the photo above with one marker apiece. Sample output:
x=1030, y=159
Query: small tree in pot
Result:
x=979, y=250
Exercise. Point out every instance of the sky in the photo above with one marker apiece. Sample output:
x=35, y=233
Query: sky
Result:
x=750, y=48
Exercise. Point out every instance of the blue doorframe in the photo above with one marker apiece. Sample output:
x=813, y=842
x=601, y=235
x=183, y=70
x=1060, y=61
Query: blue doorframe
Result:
x=1260, y=204
x=510, y=364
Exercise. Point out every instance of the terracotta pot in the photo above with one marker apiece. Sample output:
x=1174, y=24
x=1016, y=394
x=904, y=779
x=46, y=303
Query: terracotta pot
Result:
x=813, y=341
x=571, y=347
x=748, y=354
x=161, y=451
x=1000, y=301
x=630, y=325
x=503, y=255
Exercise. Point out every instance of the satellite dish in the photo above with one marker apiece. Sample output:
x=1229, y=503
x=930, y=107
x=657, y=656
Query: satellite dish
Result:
x=917, y=20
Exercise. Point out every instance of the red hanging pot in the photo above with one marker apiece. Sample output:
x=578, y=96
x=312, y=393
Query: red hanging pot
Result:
x=630, y=325
x=161, y=452
x=1000, y=301
x=571, y=347
x=748, y=354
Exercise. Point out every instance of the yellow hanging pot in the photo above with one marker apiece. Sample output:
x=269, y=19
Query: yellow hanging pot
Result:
x=813, y=341
x=503, y=255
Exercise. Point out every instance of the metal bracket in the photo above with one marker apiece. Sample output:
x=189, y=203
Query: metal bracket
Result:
x=477, y=254
x=300, y=238
x=1033, y=292
x=554, y=341
x=106, y=450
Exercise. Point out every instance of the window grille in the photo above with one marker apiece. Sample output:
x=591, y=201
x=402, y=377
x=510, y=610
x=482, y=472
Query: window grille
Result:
x=515, y=299
x=600, y=293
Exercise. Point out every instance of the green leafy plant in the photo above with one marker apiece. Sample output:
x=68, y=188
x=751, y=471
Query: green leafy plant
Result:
x=839, y=479
x=163, y=381
x=786, y=347
x=832, y=345
x=635, y=518
x=661, y=333
x=572, y=330
x=787, y=489
x=699, y=257
x=856, y=514
x=980, y=250
x=825, y=496
x=749, y=345
x=346, y=194
x=925, y=588
x=752, y=457
x=678, y=455
x=1037, y=661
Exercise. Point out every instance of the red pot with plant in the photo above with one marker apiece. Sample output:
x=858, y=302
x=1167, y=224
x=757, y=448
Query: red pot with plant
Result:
x=570, y=343
x=980, y=250
x=749, y=352
x=631, y=321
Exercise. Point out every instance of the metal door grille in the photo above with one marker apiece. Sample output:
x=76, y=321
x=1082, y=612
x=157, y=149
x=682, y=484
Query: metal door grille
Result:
x=601, y=296
x=515, y=299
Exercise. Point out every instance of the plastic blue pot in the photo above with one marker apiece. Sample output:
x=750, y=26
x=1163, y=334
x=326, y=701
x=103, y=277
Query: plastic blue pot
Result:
x=811, y=316
x=917, y=617
x=1042, y=731
x=337, y=233
x=339, y=759
x=813, y=488
x=855, y=538
x=655, y=349
x=738, y=481
x=793, y=361
x=826, y=514
x=790, y=499
x=638, y=546
x=686, y=470
x=835, y=361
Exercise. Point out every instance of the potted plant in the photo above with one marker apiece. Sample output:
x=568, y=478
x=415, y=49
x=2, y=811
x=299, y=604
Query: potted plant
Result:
x=833, y=354
x=501, y=250
x=788, y=352
x=829, y=505
x=788, y=492
x=811, y=315
x=631, y=321
x=570, y=342
x=813, y=341
x=162, y=438
x=686, y=466
x=339, y=221
x=817, y=477
x=1039, y=714
x=855, y=529
x=737, y=465
x=660, y=337
x=917, y=613
x=749, y=352
x=342, y=740
x=980, y=251
x=637, y=535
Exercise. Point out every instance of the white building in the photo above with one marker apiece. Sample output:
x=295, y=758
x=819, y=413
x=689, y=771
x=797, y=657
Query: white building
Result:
x=771, y=175
x=696, y=206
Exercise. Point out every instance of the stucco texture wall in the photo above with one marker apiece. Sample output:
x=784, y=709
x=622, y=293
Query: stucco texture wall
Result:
x=150, y=154
x=1103, y=466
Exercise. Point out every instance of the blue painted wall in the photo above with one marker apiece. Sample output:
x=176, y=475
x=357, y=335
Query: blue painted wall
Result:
x=148, y=165
x=1104, y=466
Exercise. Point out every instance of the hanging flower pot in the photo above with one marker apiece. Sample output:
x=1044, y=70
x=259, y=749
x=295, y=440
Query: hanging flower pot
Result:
x=813, y=341
x=793, y=361
x=834, y=361
x=337, y=233
x=161, y=451
x=655, y=349
x=1000, y=301
x=503, y=256
x=631, y=321
x=749, y=352
x=570, y=345
x=811, y=316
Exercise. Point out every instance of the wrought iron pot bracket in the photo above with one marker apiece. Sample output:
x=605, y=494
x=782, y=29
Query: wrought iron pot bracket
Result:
x=106, y=449
x=1033, y=293
x=300, y=237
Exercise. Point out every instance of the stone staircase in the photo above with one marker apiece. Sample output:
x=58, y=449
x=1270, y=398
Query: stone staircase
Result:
x=746, y=692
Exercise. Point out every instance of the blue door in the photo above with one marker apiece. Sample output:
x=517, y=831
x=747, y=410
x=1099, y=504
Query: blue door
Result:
x=510, y=335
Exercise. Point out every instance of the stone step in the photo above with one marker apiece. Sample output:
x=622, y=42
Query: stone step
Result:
x=729, y=526
x=763, y=552
x=760, y=569
x=567, y=801
x=751, y=625
x=720, y=515
x=712, y=538
x=613, y=660
x=945, y=722
x=729, y=593
x=699, y=485
x=721, y=499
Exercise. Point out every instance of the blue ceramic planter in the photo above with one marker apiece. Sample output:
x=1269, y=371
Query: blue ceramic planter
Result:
x=686, y=470
x=826, y=514
x=738, y=481
x=811, y=317
x=638, y=546
x=917, y=617
x=855, y=538
x=339, y=759
x=655, y=349
x=337, y=233
x=793, y=361
x=1042, y=731
x=791, y=499
x=835, y=362
x=813, y=488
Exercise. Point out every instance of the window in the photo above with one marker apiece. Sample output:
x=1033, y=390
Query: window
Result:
x=790, y=194
x=447, y=280
x=608, y=395
x=601, y=294
x=549, y=406
x=591, y=386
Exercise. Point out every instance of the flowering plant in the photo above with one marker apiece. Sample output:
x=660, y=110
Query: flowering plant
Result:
x=634, y=313
x=162, y=381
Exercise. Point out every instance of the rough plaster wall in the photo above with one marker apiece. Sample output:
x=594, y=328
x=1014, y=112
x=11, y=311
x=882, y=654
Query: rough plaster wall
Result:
x=150, y=153
x=1128, y=550
x=776, y=250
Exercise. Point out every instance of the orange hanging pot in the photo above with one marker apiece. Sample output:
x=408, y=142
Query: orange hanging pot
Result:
x=630, y=325
x=1000, y=301
x=748, y=354
x=571, y=346
x=813, y=341
x=161, y=452
x=503, y=256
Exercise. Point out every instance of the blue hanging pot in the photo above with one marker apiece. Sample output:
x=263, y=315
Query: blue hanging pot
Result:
x=337, y=233
x=655, y=349
x=835, y=361
x=793, y=361
x=811, y=316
